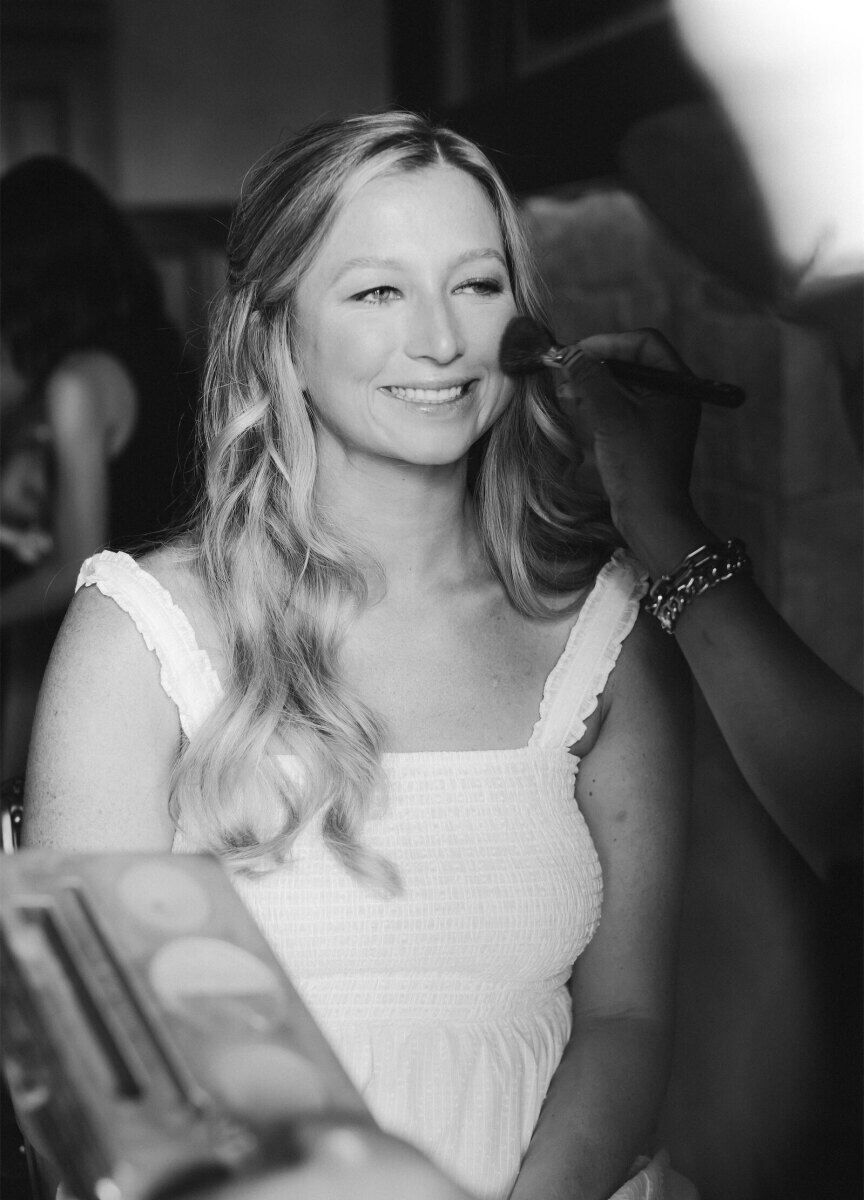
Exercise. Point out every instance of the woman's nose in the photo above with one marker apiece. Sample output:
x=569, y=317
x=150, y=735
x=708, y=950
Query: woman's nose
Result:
x=435, y=332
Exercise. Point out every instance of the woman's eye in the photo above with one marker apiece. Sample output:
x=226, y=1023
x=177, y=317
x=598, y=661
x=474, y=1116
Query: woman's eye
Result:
x=376, y=295
x=482, y=287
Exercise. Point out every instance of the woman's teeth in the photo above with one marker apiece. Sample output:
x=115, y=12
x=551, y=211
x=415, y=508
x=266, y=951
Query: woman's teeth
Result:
x=428, y=395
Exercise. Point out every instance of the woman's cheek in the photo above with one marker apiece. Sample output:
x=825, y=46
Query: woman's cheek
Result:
x=364, y=350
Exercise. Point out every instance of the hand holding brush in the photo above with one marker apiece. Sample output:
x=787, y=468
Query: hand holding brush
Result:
x=527, y=347
x=641, y=437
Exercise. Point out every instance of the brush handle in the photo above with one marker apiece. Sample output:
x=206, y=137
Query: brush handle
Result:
x=674, y=382
x=712, y=391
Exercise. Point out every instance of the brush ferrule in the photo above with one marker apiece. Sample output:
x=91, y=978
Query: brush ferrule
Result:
x=563, y=356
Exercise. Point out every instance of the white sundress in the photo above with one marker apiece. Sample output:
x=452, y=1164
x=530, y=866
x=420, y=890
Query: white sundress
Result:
x=448, y=1004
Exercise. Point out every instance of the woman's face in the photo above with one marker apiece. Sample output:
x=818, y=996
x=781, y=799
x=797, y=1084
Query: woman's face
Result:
x=399, y=321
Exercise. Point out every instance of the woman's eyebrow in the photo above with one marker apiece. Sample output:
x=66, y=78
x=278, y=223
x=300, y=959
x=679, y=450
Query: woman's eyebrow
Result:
x=396, y=264
x=473, y=255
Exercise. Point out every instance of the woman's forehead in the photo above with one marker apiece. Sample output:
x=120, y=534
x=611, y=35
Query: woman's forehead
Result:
x=436, y=206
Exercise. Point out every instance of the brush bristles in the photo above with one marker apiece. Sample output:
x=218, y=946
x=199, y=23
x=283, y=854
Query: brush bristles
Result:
x=523, y=345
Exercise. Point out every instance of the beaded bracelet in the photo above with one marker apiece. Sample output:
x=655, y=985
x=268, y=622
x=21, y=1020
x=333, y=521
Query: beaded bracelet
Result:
x=698, y=571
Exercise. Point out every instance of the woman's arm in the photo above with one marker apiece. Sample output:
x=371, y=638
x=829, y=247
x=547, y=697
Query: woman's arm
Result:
x=87, y=401
x=104, y=740
x=792, y=724
x=633, y=788
x=103, y=745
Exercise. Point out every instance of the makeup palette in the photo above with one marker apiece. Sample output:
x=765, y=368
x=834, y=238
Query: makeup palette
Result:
x=151, y=1040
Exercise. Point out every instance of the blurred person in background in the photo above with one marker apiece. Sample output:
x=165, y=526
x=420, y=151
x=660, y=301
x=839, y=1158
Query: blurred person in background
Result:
x=90, y=408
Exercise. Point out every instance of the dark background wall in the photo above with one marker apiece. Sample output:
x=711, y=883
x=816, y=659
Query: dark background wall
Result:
x=170, y=101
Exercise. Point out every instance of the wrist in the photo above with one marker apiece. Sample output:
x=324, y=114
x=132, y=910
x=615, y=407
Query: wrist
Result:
x=699, y=571
x=661, y=538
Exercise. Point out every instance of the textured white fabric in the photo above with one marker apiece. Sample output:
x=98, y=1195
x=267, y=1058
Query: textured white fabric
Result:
x=448, y=1004
x=186, y=673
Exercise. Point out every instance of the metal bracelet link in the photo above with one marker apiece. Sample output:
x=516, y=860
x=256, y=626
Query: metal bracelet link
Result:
x=701, y=569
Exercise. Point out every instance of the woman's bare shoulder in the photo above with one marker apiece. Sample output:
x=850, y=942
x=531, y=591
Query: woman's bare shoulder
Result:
x=104, y=738
x=98, y=650
x=100, y=621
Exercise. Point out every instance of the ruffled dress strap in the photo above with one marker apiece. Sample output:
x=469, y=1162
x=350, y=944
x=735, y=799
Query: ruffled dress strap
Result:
x=186, y=673
x=574, y=686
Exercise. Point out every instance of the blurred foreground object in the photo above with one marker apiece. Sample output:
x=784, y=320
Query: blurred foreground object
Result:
x=151, y=1042
x=790, y=77
x=343, y=1162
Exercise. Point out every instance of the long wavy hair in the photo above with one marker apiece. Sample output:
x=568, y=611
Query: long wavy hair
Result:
x=282, y=581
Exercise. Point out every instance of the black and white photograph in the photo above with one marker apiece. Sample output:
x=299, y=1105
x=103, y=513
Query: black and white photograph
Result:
x=431, y=604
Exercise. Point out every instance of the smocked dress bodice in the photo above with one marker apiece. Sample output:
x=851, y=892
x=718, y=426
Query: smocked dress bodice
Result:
x=448, y=1003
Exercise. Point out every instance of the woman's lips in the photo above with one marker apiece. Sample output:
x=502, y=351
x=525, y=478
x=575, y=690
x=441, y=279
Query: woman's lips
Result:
x=429, y=395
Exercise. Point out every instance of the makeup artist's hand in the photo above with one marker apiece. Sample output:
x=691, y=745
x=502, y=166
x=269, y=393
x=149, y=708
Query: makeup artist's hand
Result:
x=642, y=443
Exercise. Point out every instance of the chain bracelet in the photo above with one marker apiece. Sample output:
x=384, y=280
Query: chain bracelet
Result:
x=700, y=570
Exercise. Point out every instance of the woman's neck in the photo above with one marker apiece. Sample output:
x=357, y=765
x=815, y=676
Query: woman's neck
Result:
x=418, y=523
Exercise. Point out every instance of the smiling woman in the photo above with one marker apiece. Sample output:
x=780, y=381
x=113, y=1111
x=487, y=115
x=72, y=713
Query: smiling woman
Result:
x=399, y=348
x=395, y=674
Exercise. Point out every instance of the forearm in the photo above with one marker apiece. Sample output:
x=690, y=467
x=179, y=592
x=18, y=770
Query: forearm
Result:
x=599, y=1112
x=792, y=725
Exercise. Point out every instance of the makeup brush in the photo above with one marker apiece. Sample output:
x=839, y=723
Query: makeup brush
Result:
x=527, y=347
